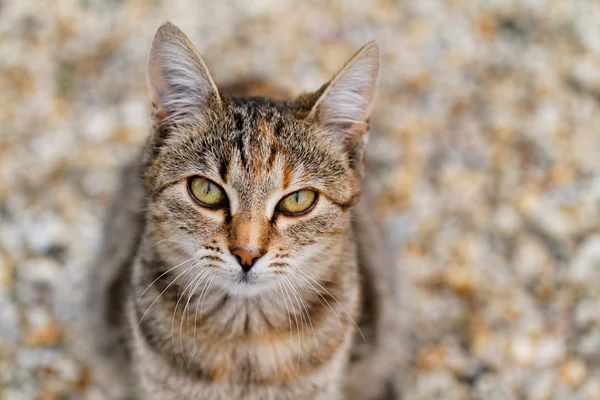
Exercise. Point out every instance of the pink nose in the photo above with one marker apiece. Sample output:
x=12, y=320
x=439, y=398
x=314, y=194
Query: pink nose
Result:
x=246, y=257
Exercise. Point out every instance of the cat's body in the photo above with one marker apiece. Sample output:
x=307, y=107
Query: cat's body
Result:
x=167, y=289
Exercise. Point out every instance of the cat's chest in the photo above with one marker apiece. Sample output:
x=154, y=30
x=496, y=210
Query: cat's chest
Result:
x=263, y=353
x=249, y=349
x=259, y=370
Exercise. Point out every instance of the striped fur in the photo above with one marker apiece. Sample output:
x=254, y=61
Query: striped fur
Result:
x=192, y=327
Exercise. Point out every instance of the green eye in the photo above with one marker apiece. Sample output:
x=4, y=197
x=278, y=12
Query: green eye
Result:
x=298, y=202
x=206, y=192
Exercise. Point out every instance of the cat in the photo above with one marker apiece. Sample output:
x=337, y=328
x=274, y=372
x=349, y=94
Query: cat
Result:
x=240, y=256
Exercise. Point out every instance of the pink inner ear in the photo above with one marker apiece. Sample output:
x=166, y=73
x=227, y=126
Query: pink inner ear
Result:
x=358, y=129
x=156, y=95
x=158, y=112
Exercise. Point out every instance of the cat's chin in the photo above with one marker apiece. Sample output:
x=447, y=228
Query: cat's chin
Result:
x=249, y=285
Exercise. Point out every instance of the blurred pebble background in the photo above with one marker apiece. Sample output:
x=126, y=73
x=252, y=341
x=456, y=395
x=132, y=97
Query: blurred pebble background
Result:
x=489, y=119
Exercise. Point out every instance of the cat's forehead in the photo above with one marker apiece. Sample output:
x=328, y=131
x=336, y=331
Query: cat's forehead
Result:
x=254, y=109
x=256, y=132
x=257, y=147
x=265, y=148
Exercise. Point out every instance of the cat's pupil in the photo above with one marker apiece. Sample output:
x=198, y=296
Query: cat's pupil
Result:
x=297, y=196
x=207, y=188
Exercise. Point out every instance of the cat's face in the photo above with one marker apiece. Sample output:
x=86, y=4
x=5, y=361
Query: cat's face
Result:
x=255, y=196
x=252, y=195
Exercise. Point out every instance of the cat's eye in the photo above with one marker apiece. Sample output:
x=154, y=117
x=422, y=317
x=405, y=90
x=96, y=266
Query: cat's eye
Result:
x=206, y=192
x=298, y=203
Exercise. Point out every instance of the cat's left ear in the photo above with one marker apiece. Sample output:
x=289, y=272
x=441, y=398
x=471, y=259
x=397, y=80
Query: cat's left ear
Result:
x=345, y=105
x=179, y=83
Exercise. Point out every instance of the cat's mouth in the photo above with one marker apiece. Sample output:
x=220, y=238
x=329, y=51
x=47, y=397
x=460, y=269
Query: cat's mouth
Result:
x=238, y=279
x=247, y=284
x=247, y=278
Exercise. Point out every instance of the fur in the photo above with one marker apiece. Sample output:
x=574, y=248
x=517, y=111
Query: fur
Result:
x=317, y=315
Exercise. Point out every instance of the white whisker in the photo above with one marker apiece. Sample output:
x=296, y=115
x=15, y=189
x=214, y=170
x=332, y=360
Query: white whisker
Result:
x=286, y=283
x=305, y=311
x=161, y=293
x=179, y=297
x=163, y=274
x=333, y=297
x=193, y=285
x=200, y=301
x=320, y=298
x=174, y=241
x=294, y=314
x=288, y=310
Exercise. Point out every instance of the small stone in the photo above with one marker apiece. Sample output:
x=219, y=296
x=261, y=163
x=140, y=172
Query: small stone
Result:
x=587, y=72
x=589, y=345
x=83, y=380
x=45, y=232
x=99, y=125
x=98, y=183
x=437, y=384
x=11, y=241
x=9, y=320
x=573, y=372
x=587, y=312
x=6, y=272
x=431, y=358
x=135, y=112
x=523, y=350
x=553, y=219
x=542, y=387
x=528, y=203
x=530, y=259
x=507, y=219
x=14, y=394
x=561, y=174
x=550, y=350
x=460, y=279
x=48, y=335
x=39, y=270
x=68, y=369
x=486, y=25
x=591, y=388
x=585, y=264
x=94, y=393
x=490, y=387
x=457, y=361
x=36, y=317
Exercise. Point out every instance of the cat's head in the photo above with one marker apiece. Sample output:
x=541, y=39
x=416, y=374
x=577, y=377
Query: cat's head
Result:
x=253, y=193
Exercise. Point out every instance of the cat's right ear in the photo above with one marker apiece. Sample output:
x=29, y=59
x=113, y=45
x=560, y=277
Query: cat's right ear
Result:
x=179, y=83
x=345, y=103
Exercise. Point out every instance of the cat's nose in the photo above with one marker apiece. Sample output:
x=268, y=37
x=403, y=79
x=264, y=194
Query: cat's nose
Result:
x=246, y=257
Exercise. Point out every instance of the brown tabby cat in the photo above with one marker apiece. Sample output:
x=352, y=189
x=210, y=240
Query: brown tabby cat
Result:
x=237, y=263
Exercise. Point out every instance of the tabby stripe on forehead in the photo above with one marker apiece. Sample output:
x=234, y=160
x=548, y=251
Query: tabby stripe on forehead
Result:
x=223, y=170
x=263, y=129
x=272, y=156
x=287, y=176
x=253, y=113
x=239, y=121
x=239, y=142
x=278, y=127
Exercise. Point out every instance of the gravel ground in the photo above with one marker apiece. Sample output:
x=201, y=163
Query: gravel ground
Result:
x=489, y=114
